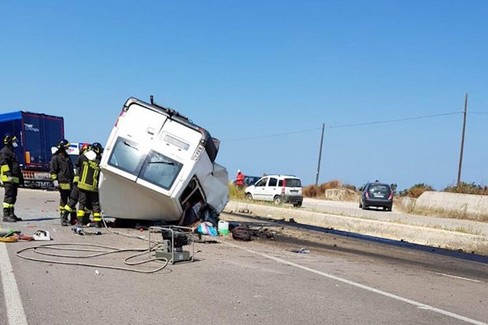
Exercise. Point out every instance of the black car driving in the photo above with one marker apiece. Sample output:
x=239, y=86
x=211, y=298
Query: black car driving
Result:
x=376, y=195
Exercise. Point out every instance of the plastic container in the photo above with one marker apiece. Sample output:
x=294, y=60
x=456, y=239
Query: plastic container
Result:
x=223, y=228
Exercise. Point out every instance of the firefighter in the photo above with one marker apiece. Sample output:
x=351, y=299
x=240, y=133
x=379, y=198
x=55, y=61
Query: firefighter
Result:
x=70, y=207
x=87, y=176
x=11, y=176
x=62, y=174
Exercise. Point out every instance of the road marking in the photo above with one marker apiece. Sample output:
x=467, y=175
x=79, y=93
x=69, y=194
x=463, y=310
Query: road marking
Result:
x=13, y=303
x=362, y=286
x=458, y=277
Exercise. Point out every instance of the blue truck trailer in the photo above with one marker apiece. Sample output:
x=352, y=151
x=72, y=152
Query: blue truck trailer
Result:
x=36, y=133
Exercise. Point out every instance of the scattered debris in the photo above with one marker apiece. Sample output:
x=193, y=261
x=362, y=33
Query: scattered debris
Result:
x=41, y=235
x=301, y=251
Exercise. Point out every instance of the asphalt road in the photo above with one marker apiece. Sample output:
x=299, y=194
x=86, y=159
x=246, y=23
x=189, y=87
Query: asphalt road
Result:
x=337, y=280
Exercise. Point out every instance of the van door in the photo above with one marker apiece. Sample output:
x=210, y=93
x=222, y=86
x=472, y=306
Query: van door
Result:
x=271, y=189
x=132, y=139
x=260, y=188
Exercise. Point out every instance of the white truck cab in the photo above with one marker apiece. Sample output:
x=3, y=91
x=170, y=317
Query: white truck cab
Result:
x=157, y=163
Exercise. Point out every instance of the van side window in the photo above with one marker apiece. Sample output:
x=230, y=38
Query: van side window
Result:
x=262, y=182
x=272, y=181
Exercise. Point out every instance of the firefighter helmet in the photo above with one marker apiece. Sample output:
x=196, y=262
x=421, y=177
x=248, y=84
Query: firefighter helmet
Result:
x=97, y=147
x=63, y=144
x=85, y=147
x=9, y=138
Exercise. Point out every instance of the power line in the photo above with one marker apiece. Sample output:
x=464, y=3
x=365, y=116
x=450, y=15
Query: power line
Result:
x=275, y=135
x=390, y=121
x=348, y=125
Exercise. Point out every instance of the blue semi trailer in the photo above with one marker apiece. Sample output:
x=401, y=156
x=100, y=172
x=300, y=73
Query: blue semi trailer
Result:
x=36, y=133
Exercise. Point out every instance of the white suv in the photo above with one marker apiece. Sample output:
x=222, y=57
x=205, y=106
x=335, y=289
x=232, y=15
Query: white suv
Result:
x=276, y=188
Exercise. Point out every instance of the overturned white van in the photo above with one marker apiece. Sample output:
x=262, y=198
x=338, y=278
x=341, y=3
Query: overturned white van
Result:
x=157, y=165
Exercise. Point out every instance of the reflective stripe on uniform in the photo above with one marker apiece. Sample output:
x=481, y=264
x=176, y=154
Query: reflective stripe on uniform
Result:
x=65, y=186
x=97, y=217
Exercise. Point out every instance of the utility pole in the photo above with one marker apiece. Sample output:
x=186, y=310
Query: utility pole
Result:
x=320, y=154
x=462, y=140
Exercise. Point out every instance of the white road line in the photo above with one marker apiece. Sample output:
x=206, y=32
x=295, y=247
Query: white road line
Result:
x=358, y=285
x=13, y=303
x=458, y=277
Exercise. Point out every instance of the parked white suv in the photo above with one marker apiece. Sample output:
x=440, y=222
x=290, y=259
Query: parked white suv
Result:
x=276, y=188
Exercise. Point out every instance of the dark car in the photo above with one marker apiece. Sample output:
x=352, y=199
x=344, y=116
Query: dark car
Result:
x=248, y=180
x=377, y=195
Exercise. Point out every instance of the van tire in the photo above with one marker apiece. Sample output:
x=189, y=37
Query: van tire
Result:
x=277, y=200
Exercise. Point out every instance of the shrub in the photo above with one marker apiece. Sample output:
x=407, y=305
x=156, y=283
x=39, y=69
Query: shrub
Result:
x=416, y=190
x=319, y=190
x=467, y=188
x=236, y=193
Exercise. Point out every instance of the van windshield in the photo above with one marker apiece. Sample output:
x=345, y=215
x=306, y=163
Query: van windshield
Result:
x=152, y=166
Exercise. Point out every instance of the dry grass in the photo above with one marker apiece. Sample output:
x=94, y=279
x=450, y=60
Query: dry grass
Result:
x=319, y=190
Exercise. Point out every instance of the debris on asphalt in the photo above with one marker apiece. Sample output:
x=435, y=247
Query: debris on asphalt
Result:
x=301, y=251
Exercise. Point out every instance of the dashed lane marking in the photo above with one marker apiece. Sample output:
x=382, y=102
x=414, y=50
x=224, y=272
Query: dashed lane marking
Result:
x=362, y=286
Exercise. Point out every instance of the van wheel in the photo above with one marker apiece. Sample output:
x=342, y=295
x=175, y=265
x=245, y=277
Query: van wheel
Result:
x=249, y=196
x=277, y=200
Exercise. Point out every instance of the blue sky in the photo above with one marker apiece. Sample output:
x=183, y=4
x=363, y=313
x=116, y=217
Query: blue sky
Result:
x=263, y=76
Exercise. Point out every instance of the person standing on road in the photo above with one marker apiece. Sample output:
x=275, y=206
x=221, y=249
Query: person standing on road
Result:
x=87, y=176
x=240, y=179
x=62, y=174
x=11, y=176
x=70, y=207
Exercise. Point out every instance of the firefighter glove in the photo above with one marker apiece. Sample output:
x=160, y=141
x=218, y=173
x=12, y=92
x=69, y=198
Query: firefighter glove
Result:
x=56, y=183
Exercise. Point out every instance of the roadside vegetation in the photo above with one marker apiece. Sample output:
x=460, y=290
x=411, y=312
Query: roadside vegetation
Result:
x=415, y=191
x=404, y=199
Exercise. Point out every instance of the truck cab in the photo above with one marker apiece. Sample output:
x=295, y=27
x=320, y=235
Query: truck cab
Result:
x=157, y=163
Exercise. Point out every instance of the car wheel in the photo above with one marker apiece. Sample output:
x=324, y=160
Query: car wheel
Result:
x=277, y=200
x=249, y=196
x=297, y=205
x=365, y=207
x=360, y=205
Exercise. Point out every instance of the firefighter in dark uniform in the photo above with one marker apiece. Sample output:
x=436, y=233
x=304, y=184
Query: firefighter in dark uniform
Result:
x=70, y=207
x=62, y=174
x=11, y=176
x=87, y=176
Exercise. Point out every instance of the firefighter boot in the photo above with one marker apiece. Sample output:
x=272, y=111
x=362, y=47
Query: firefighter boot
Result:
x=97, y=220
x=73, y=218
x=8, y=216
x=13, y=213
x=86, y=217
x=64, y=218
